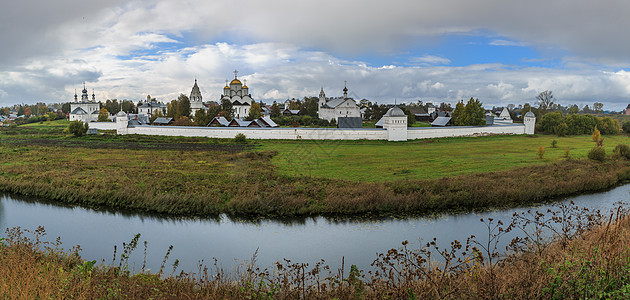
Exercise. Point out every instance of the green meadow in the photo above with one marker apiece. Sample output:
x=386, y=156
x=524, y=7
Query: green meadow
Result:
x=279, y=178
x=377, y=161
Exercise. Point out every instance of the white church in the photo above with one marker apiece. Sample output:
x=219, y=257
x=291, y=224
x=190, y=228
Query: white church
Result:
x=85, y=110
x=336, y=107
x=238, y=94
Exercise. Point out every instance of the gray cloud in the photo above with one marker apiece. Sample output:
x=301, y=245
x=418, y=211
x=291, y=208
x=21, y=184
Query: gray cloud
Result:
x=51, y=46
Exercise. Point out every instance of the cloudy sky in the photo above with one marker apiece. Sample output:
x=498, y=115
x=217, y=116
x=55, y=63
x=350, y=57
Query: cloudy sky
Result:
x=399, y=50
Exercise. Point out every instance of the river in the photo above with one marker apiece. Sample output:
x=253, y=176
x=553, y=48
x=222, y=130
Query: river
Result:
x=233, y=242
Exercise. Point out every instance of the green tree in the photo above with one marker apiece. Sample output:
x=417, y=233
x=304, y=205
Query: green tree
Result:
x=227, y=110
x=309, y=106
x=457, y=115
x=598, y=107
x=202, y=118
x=550, y=121
x=65, y=107
x=212, y=112
x=574, y=109
x=78, y=128
x=474, y=114
x=254, y=112
x=157, y=113
x=411, y=119
x=275, y=110
x=184, y=105
x=129, y=107
x=103, y=115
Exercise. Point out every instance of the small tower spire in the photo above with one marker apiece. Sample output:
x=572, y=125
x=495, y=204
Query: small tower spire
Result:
x=345, y=89
x=235, y=74
x=75, y=95
x=93, y=96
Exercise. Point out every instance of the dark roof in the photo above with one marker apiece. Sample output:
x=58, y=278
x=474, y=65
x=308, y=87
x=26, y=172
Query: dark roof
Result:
x=395, y=112
x=441, y=121
x=163, y=120
x=78, y=111
x=349, y=122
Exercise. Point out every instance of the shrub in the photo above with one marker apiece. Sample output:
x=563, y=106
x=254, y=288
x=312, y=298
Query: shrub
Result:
x=540, y=152
x=598, y=153
x=596, y=135
x=554, y=144
x=306, y=120
x=240, y=138
x=567, y=152
x=622, y=151
x=78, y=128
x=626, y=127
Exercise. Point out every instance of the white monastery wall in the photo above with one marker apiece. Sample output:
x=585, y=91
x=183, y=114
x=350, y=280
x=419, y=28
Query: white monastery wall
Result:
x=103, y=125
x=263, y=133
x=436, y=132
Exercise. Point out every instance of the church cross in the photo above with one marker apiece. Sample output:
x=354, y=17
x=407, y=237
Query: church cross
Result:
x=235, y=73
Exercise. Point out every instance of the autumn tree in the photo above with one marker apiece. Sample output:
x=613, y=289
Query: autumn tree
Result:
x=254, y=112
x=103, y=115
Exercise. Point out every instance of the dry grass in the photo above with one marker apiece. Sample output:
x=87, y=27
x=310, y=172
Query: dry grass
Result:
x=587, y=256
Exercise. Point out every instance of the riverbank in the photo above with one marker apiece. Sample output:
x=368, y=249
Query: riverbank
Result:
x=207, y=177
x=588, y=257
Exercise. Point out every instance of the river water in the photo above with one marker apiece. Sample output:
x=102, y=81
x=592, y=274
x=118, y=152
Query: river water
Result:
x=233, y=242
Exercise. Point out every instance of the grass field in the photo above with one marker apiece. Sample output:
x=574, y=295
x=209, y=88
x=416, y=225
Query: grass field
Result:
x=376, y=161
x=203, y=177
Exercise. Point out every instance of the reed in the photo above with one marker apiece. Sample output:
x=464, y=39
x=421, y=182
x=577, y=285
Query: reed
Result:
x=586, y=254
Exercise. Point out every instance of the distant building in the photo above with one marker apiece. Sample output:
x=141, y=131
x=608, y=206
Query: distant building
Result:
x=503, y=118
x=195, y=98
x=85, y=110
x=628, y=110
x=149, y=108
x=238, y=94
x=333, y=108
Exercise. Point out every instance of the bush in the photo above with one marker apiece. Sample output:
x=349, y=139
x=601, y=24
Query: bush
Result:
x=567, y=152
x=626, y=127
x=306, y=120
x=596, y=135
x=240, y=138
x=78, y=128
x=554, y=144
x=598, y=153
x=540, y=152
x=622, y=151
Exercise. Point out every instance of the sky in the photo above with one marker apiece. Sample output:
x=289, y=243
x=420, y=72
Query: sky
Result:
x=501, y=52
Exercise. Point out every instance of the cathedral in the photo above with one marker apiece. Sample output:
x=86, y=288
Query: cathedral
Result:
x=85, y=110
x=238, y=93
x=334, y=108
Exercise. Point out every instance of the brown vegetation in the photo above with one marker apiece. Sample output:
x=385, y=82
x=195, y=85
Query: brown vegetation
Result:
x=589, y=257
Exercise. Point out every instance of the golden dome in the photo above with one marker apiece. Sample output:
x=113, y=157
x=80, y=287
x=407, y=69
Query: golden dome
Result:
x=235, y=81
x=245, y=87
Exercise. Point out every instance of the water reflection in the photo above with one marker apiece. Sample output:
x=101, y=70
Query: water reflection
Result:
x=234, y=239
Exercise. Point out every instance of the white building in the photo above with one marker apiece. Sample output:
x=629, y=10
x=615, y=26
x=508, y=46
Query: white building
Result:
x=85, y=110
x=195, y=98
x=148, y=108
x=503, y=118
x=334, y=108
x=238, y=94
